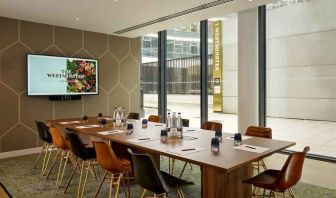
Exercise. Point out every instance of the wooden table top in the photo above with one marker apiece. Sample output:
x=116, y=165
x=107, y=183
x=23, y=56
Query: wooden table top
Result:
x=227, y=158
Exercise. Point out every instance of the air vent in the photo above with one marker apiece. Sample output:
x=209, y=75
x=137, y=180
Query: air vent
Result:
x=178, y=14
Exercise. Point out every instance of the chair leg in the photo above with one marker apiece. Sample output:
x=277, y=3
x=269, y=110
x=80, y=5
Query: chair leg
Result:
x=53, y=163
x=263, y=164
x=49, y=150
x=185, y=164
x=111, y=185
x=143, y=193
x=71, y=176
x=118, y=184
x=59, y=168
x=173, y=164
x=40, y=155
x=80, y=177
x=86, y=175
x=65, y=164
x=101, y=183
x=190, y=166
x=179, y=191
x=291, y=193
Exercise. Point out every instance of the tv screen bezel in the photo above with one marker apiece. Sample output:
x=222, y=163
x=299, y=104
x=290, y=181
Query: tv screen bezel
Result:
x=69, y=94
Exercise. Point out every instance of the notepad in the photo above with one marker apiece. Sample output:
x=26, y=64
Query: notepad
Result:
x=251, y=148
x=244, y=137
x=185, y=150
x=70, y=122
x=111, y=132
x=87, y=126
x=140, y=140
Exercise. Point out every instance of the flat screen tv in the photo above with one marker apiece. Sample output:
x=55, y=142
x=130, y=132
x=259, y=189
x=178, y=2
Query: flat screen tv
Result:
x=53, y=75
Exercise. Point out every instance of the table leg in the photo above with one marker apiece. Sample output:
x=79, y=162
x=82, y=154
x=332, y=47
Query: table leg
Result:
x=217, y=183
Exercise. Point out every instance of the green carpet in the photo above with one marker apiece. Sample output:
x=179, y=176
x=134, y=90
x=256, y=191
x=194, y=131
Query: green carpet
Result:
x=23, y=181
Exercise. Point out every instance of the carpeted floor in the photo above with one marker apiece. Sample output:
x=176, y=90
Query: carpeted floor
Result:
x=23, y=181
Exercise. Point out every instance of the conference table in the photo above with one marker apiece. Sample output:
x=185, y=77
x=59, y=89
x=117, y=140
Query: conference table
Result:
x=221, y=172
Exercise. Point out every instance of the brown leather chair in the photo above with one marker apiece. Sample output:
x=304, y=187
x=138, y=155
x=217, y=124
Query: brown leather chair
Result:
x=4, y=192
x=258, y=131
x=63, y=153
x=213, y=126
x=118, y=169
x=280, y=181
x=262, y=132
x=208, y=125
x=154, y=118
x=134, y=116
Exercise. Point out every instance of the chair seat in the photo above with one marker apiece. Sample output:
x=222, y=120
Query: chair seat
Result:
x=174, y=182
x=265, y=179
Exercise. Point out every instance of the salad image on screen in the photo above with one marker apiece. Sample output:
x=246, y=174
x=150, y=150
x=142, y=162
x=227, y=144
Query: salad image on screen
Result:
x=83, y=76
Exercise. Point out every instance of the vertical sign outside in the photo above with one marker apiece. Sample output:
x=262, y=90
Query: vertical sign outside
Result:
x=217, y=66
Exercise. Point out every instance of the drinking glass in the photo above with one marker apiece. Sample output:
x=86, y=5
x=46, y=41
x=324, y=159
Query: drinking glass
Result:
x=237, y=139
x=144, y=123
x=85, y=119
x=215, y=145
x=219, y=134
x=164, y=135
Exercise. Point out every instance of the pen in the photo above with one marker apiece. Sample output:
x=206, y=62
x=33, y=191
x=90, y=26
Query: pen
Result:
x=144, y=139
x=191, y=130
x=158, y=125
x=250, y=147
x=188, y=149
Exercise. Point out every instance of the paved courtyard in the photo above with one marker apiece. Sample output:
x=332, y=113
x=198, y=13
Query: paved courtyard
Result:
x=319, y=135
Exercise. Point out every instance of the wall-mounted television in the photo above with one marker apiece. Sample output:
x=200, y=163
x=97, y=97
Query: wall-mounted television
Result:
x=53, y=75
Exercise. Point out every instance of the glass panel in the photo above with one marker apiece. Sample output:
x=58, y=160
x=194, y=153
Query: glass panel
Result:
x=149, y=74
x=184, y=74
x=301, y=74
x=223, y=75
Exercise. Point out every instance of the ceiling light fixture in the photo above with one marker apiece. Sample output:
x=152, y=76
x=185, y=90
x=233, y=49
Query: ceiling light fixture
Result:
x=77, y=19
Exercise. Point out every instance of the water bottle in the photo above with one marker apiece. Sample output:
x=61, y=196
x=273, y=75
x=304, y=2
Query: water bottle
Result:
x=173, y=124
x=168, y=122
x=179, y=125
x=118, y=117
x=122, y=117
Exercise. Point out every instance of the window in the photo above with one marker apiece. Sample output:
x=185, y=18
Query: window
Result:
x=301, y=74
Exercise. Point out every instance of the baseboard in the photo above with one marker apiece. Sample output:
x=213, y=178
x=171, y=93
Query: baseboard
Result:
x=20, y=152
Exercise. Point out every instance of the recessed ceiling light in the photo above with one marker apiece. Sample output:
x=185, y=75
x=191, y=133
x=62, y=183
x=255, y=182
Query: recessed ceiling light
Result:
x=77, y=19
x=116, y=0
x=183, y=18
x=250, y=0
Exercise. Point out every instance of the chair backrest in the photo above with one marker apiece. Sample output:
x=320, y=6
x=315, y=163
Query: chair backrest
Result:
x=4, y=192
x=185, y=122
x=291, y=172
x=106, y=157
x=77, y=146
x=154, y=118
x=146, y=174
x=208, y=125
x=134, y=116
x=258, y=131
x=58, y=139
x=43, y=131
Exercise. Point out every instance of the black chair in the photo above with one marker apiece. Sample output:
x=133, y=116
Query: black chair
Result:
x=85, y=158
x=150, y=178
x=134, y=116
x=4, y=192
x=45, y=137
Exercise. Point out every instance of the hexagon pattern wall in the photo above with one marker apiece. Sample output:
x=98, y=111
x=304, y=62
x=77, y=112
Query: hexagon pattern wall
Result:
x=119, y=71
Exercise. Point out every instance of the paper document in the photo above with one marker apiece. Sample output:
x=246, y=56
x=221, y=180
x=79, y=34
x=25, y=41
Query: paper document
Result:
x=87, y=126
x=251, y=148
x=111, y=132
x=140, y=140
x=70, y=122
x=185, y=150
x=244, y=137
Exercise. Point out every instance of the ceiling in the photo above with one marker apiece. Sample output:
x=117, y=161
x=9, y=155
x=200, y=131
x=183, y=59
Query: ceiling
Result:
x=110, y=16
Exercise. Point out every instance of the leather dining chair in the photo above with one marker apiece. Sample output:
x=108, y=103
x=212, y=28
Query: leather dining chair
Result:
x=45, y=137
x=150, y=178
x=262, y=132
x=207, y=125
x=134, y=116
x=154, y=118
x=213, y=126
x=117, y=169
x=280, y=181
x=86, y=159
x=63, y=153
x=4, y=192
